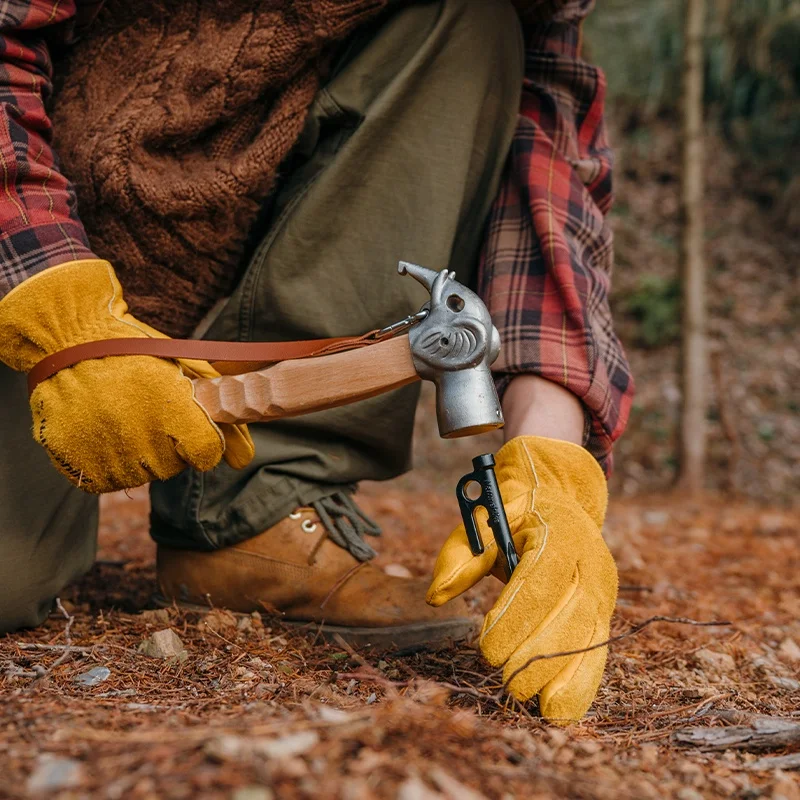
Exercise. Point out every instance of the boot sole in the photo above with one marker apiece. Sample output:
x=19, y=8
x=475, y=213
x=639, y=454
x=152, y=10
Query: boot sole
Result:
x=406, y=638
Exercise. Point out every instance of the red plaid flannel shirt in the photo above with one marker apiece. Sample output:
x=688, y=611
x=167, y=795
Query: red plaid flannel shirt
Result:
x=547, y=254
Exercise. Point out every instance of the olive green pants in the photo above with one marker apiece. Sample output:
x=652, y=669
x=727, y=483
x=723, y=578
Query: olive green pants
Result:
x=400, y=159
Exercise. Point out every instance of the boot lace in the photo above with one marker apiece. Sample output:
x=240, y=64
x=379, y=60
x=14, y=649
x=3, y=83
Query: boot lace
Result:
x=346, y=524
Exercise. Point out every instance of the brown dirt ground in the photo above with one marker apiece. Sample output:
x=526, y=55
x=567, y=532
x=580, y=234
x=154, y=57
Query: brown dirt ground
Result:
x=425, y=725
x=435, y=725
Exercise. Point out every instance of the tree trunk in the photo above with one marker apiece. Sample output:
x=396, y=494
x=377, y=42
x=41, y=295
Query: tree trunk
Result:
x=694, y=357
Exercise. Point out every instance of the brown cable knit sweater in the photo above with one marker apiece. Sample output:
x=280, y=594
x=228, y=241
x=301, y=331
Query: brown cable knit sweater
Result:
x=172, y=120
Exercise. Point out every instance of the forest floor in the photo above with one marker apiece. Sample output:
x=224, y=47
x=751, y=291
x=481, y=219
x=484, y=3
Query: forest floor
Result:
x=255, y=711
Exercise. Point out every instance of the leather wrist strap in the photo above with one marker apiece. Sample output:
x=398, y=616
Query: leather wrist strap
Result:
x=229, y=358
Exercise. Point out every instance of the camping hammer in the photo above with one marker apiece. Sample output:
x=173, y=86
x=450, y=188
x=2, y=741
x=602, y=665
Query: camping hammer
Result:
x=451, y=342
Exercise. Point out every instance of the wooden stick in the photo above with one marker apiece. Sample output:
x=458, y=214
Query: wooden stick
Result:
x=292, y=388
x=775, y=762
x=763, y=733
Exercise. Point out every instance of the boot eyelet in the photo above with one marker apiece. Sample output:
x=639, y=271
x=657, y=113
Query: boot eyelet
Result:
x=295, y=515
x=308, y=526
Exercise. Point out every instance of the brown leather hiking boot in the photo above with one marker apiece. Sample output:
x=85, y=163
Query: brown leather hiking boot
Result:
x=295, y=570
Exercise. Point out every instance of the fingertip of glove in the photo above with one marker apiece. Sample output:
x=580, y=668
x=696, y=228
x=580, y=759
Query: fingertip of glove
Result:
x=435, y=597
x=562, y=714
x=238, y=460
x=202, y=455
x=239, y=451
x=567, y=699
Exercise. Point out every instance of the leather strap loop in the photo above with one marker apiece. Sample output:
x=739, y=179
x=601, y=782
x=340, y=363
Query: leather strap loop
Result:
x=226, y=357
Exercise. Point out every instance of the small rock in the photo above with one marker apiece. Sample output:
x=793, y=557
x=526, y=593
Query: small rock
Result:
x=373, y=698
x=219, y=621
x=334, y=716
x=149, y=707
x=164, y=644
x=251, y=625
x=730, y=524
x=452, y=787
x=397, y=571
x=689, y=794
x=771, y=524
x=244, y=625
x=292, y=769
x=93, y=676
x=52, y=774
x=155, y=616
x=715, y=663
x=656, y=517
x=788, y=684
x=790, y=650
x=240, y=748
x=252, y=793
x=295, y=744
x=765, y=663
x=228, y=748
x=725, y=786
x=415, y=789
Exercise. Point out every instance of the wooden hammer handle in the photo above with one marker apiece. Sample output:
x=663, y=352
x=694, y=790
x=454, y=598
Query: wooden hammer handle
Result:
x=300, y=386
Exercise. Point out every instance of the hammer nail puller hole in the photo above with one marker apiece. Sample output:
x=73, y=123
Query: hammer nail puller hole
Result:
x=473, y=490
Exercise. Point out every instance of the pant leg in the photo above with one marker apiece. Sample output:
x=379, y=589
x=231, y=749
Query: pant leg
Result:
x=400, y=159
x=48, y=529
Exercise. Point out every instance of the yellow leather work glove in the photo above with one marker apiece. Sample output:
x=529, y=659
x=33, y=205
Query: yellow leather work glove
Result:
x=109, y=423
x=562, y=594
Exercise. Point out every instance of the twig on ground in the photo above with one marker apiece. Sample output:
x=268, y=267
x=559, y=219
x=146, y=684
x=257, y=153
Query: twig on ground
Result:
x=373, y=672
x=74, y=648
x=68, y=649
x=775, y=762
x=451, y=687
x=761, y=733
x=693, y=707
x=13, y=670
x=631, y=632
x=356, y=657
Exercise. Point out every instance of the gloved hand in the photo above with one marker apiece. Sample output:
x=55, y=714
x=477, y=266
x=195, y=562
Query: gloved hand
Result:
x=562, y=594
x=109, y=423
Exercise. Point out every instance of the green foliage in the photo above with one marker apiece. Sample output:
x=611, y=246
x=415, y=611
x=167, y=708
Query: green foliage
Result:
x=655, y=306
x=752, y=66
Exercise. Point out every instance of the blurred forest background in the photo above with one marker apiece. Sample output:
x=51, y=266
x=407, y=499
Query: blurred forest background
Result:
x=752, y=236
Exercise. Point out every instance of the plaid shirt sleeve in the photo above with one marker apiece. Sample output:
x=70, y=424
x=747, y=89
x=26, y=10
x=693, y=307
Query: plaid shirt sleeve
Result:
x=39, y=225
x=546, y=263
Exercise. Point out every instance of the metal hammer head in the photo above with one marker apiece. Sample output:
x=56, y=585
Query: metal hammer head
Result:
x=454, y=346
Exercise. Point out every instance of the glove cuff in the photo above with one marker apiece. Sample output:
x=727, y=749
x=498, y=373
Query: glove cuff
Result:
x=559, y=465
x=68, y=304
